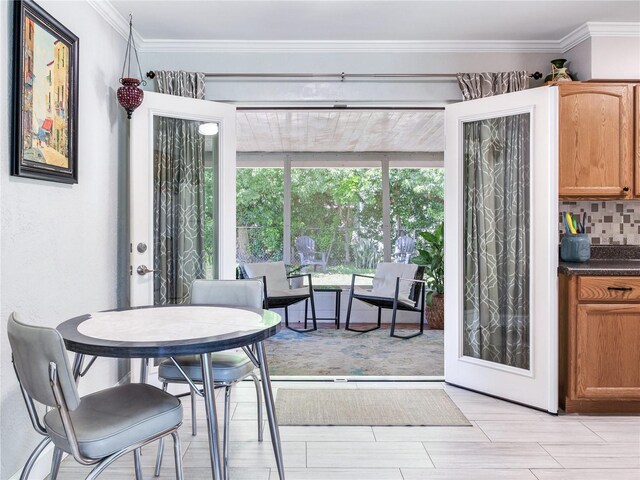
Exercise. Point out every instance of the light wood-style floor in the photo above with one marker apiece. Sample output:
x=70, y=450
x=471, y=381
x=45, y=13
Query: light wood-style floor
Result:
x=506, y=442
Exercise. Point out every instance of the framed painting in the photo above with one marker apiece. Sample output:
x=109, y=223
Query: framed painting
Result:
x=45, y=104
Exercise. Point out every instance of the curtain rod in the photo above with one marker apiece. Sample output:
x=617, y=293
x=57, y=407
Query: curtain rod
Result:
x=342, y=76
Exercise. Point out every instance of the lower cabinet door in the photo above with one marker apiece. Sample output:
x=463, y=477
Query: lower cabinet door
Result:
x=607, y=362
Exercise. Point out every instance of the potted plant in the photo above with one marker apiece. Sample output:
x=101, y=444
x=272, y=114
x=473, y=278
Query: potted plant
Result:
x=432, y=257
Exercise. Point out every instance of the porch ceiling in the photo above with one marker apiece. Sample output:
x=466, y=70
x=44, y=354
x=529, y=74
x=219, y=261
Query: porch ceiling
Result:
x=335, y=131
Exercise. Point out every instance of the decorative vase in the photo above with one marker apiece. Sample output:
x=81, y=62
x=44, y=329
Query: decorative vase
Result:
x=435, y=312
x=130, y=95
x=575, y=248
x=559, y=73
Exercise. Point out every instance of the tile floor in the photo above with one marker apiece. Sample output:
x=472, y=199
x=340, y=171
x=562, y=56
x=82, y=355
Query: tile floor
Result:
x=506, y=442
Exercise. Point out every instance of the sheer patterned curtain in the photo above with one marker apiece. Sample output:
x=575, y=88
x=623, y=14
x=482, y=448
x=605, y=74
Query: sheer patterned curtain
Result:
x=179, y=194
x=496, y=227
x=488, y=84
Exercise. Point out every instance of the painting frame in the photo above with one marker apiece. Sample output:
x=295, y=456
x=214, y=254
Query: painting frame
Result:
x=28, y=158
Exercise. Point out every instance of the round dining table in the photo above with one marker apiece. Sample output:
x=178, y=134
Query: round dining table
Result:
x=172, y=330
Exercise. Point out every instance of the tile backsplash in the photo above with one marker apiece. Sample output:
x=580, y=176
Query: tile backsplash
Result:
x=608, y=223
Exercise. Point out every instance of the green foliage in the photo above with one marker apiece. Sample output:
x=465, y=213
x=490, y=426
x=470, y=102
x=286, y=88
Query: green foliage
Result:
x=340, y=208
x=417, y=199
x=432, y=257
x=259, y=208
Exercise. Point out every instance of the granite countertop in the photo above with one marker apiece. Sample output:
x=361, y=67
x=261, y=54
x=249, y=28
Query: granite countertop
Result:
x=606, y=260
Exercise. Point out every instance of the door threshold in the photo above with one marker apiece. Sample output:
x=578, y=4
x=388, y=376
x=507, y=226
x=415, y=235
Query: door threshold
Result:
x=354, y=378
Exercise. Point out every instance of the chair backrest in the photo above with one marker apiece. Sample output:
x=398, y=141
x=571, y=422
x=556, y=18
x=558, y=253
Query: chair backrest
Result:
x=306, y=245
x=274, y=272
x=384, y=282
x=239, y=293
x=405, y=244
x=34, y=349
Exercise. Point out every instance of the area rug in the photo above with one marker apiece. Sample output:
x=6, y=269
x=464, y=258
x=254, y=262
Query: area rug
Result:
x=370, y=407
x=330, y=352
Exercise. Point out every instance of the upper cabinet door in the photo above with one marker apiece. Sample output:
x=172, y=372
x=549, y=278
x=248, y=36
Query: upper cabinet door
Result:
x=596, y=141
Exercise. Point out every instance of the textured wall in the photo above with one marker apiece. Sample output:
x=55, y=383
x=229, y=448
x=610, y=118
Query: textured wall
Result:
x=608, y=223
x=59, y=243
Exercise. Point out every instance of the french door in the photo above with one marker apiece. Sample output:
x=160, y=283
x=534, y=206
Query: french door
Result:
x=171, y=126
x=501, y=254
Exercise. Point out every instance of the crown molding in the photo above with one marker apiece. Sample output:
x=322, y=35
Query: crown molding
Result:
x=114, y=18
x=371, y=46
x=599, y=29
x=590, y=29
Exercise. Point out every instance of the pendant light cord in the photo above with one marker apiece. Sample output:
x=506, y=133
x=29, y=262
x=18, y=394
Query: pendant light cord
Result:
x=131, y=43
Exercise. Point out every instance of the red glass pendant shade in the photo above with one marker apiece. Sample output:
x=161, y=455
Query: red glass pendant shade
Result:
x=130, y=95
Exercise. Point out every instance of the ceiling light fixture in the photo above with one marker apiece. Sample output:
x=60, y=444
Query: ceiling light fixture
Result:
x=130, y=95
x=208, y=129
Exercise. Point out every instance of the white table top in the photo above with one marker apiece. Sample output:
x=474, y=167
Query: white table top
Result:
x=167, y=330
x=169, y=323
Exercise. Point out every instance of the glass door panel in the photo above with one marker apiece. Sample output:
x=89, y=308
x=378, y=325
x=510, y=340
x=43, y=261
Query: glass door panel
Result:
x=496, y=205
x=501, y=246
x=185, y=191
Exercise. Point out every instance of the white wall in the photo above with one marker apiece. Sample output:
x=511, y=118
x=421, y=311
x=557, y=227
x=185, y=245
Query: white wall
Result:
x=579, y=60
x=431, y=92
x=615, y=58
x=59, y=244
x=605, y=58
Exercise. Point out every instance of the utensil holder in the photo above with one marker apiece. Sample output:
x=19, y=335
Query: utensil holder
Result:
x=575, y=248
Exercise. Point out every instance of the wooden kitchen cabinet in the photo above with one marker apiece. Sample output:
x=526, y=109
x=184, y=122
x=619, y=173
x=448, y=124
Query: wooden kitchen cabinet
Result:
x=636, y=117
x=596, y=130
x=599, y=322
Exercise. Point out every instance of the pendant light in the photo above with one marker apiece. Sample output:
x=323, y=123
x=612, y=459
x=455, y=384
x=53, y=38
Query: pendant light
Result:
x=130, y=94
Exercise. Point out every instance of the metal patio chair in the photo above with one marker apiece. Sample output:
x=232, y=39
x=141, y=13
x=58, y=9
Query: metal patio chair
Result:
x=278, y=292
x=396, y=286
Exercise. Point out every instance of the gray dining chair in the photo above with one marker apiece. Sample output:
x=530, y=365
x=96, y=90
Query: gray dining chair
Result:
x=96, y=429
x=228, y=367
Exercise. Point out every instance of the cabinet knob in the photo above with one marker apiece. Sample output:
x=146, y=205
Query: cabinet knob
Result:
x=625, y=189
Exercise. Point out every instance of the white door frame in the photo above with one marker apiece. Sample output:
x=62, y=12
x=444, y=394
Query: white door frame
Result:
x=537, y=387
x=141, y=183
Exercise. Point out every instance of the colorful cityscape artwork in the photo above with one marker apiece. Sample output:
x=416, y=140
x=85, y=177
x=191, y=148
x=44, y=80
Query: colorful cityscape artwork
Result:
x=47, y=105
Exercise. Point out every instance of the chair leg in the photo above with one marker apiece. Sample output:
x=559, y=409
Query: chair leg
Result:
x=305, y=329
x=137, y=464
x=380, y=316
x=347, y=327
x=177, y=453
x=160, y=453
x=313, y=312
x=55, y=463
x=256, y=382
x=194, y=426
x=393, y=328
x=227, y=420
x=306, y=316
x=26, y=470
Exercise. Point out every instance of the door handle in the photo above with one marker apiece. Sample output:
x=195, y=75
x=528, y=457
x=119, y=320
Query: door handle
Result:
x=620, y=289
x=143, y=270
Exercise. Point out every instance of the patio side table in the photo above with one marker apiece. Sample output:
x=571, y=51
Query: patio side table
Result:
x=331, y=289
